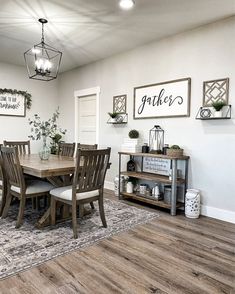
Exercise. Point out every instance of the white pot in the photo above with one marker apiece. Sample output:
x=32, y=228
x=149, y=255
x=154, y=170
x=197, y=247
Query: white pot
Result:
x=129, y=187
x=218, y=113
x=113, y=120
x=192, y=203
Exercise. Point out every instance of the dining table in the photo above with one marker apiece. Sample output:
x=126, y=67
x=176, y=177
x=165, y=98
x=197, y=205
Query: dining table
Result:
x=58, y=170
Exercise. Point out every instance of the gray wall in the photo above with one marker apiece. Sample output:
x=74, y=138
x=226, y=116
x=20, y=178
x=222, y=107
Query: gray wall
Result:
x=202, y=54
x=44, y=102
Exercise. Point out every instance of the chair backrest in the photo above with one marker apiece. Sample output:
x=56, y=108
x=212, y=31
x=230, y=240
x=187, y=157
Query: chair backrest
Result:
x=86, y=146
x=66, y=149
x=23, y=147
x=1, y=165
x=12, y=167
x=90, y=171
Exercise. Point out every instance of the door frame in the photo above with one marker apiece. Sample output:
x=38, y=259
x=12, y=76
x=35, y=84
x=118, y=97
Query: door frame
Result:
x=83, y=93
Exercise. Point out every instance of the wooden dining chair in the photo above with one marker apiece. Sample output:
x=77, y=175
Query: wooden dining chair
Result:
x=3, y=184
x=88, y=184
x=23, y=147
x=87, y=147
x=67, y=149
x=16, y=184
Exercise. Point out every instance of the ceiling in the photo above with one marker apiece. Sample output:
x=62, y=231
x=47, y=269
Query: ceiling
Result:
x=90, y=30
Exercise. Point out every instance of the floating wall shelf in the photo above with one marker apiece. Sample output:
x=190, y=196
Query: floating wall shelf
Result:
x=207, y=113
x=122, y=118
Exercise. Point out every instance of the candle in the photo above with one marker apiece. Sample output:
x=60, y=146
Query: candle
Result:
x=155, y=145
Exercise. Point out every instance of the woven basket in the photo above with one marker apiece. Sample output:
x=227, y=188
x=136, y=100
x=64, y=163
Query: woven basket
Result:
x=175, y=152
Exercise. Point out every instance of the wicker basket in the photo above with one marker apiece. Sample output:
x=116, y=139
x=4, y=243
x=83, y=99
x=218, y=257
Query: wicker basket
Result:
x=175, y=152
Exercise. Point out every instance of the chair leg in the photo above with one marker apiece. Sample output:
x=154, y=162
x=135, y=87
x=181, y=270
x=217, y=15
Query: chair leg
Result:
x=101, y=209
x=81, y=210
x=74, y=221
x=92, y=205
x=3, y=201
x=53, y=211
x=7, y=205
x=21, y=213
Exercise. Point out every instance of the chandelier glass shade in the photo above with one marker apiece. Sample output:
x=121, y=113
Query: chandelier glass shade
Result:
x=42, y=60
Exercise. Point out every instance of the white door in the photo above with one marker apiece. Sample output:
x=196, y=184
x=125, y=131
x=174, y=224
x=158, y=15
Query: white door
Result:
x=87, y=119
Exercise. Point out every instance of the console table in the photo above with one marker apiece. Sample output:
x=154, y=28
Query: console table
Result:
x=174, y=181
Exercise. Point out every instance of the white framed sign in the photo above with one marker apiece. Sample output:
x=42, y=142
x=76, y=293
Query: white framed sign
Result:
x=12, y=104
x=158, y=166
x=167, y=99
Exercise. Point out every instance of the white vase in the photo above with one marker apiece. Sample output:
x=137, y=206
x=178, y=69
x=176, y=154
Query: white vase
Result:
x=116, y=184
x=129, y=187
x=218, y=113
x=192, y=203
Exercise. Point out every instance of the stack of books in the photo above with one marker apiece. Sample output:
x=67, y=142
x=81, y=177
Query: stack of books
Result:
x=131, y=145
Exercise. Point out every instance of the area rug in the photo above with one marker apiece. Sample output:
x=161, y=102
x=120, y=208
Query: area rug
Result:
x=23, y=248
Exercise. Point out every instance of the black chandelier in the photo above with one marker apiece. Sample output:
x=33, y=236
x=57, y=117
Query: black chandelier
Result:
x=43, y=61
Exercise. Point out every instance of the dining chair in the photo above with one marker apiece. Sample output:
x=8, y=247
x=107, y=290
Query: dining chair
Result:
x=88, y=185
x=17, y=186
x=87, y=147
x=23, y=147
x=66, y=149
x=2, y=184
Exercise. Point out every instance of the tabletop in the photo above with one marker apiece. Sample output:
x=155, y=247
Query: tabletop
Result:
x=55, y=166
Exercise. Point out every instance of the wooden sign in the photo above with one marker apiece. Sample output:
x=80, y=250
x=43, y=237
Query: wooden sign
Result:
x=168, y=99
x=12, y=104
x=156, y=166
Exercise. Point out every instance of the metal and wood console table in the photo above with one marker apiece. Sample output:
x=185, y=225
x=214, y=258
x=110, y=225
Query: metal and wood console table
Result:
x=141, y=175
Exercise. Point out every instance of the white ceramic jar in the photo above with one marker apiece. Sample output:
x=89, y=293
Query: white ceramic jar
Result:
x=192, y=203
x=129, y=187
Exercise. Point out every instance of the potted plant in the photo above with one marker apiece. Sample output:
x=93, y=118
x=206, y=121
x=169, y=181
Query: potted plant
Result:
x=113, y=117
x=175, y=150
x=44, y=130
x=55, y=141
x=218, y=105
x=133, y=134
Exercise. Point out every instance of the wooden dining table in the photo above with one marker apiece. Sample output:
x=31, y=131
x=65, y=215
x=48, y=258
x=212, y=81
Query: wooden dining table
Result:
x=57, y=170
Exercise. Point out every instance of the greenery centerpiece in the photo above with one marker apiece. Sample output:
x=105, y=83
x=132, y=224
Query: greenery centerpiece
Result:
x=47, y=129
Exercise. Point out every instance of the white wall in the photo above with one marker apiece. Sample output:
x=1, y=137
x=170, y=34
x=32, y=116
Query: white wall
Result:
x=203, y=54
x=44, y=102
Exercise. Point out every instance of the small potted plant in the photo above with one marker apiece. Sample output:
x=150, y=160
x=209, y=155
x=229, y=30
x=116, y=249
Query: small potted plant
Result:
x=218, y=105
x=133, y=134
x=113, y=117
x=175, y=150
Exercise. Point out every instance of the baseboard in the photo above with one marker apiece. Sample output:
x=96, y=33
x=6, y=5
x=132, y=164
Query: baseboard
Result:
x=109, y=185
x=225, y=215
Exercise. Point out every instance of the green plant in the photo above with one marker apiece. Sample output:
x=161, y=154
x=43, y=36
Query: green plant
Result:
x=134, y=181
x=218, y=105
x=49, y=128
x=113, y=114
x=56, y=140
x=133, y=134
x=175, y=147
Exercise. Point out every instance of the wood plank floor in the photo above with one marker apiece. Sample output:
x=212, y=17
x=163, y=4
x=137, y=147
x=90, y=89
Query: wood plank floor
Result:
x=167, y=255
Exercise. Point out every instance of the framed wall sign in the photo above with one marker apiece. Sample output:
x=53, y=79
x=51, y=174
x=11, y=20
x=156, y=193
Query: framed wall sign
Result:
x=12, y=104
x=156, y=166
x=168, y=99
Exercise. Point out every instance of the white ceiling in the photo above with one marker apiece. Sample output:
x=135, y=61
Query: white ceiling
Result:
x=89, y=30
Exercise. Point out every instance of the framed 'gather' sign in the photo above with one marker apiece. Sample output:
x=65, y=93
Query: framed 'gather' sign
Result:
x=168, y=99
x=12, y=103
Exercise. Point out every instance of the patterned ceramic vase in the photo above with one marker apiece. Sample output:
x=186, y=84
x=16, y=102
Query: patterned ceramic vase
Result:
x=192, y=203
x=116, y=184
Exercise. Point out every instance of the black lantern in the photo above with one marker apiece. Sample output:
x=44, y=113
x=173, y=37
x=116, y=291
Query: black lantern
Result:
x=43, y=61
x=156, y=139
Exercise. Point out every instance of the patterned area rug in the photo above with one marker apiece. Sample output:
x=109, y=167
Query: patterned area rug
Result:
x=26, y=247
